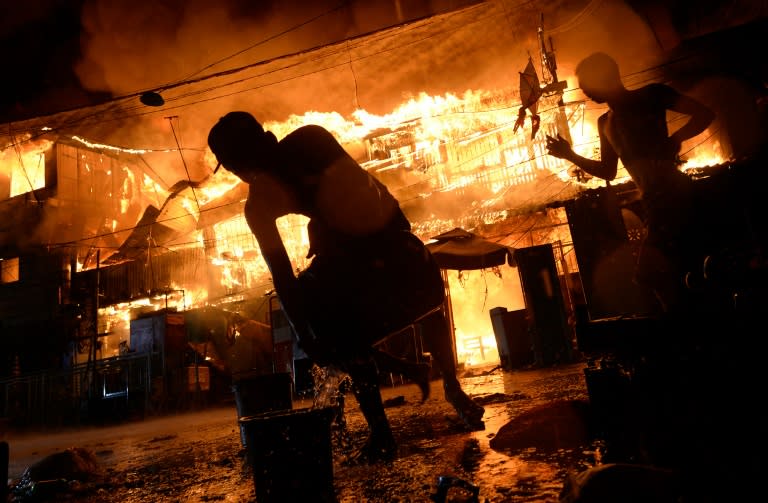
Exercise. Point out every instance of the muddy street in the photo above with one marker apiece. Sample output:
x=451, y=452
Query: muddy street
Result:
x=535, y=435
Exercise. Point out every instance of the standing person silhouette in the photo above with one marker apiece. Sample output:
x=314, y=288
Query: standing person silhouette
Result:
x=369, y=275
x=634, y=129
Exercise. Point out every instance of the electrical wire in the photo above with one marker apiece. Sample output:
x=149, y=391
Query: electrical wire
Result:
x=268, y=39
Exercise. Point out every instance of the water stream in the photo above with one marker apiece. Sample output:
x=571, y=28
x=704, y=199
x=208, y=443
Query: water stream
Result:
x=330, y=386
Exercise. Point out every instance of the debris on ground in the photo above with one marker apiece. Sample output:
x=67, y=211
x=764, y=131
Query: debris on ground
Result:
x=549, y=427
x=57, y=473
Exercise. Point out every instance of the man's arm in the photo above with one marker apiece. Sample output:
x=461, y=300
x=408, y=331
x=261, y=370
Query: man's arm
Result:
x=700, y=117
x=280, y=267
x=605, y=168
x=267, y=201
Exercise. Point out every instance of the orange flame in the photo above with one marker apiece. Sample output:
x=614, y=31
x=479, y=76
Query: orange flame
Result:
x=22, y=166
x=429, y=144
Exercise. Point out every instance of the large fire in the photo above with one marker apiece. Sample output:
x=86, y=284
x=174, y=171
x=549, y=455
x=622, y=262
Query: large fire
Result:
x=429, y=145
x=22, y=167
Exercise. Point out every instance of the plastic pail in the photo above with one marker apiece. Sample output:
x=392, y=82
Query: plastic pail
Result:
x=291, y=455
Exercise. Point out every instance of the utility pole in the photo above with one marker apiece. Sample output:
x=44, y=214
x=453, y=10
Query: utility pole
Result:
x=553, y=86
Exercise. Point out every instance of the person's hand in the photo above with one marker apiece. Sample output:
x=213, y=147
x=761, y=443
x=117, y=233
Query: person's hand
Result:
x=558, y=147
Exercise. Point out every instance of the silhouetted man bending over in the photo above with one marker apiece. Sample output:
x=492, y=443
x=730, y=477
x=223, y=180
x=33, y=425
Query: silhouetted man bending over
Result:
x=369, y=275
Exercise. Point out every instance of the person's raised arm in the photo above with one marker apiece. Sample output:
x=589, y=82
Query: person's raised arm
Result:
x=605, y=168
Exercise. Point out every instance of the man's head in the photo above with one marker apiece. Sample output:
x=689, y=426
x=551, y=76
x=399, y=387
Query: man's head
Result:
x=599, y=77
x=239, y=142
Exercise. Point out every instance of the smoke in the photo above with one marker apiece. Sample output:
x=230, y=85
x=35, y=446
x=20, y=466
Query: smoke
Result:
x=129, y=46
x=132, y=46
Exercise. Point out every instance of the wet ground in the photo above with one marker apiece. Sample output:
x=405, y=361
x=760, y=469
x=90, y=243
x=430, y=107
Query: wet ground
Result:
x=535, y=434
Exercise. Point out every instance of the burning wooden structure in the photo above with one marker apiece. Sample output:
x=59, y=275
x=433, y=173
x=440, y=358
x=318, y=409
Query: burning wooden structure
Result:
x=97, y=236
x=123, y=246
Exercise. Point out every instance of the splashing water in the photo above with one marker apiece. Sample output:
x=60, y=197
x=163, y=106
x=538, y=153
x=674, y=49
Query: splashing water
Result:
x=330, y=387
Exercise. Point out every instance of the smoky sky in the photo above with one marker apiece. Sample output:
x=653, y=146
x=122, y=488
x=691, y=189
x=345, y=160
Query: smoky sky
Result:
x=63, y=53
x=40, y=40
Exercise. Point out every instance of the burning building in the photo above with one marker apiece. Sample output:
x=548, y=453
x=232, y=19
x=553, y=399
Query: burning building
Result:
x=101, y=235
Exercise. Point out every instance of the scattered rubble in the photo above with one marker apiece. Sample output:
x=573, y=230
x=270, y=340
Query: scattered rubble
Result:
x=57, y=473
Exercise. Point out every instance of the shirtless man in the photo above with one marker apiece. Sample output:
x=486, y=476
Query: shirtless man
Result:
x=369, y=275
x=634, y=129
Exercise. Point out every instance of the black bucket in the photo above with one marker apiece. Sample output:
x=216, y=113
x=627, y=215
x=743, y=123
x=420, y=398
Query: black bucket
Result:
x=257, y=393
x=291, y=455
